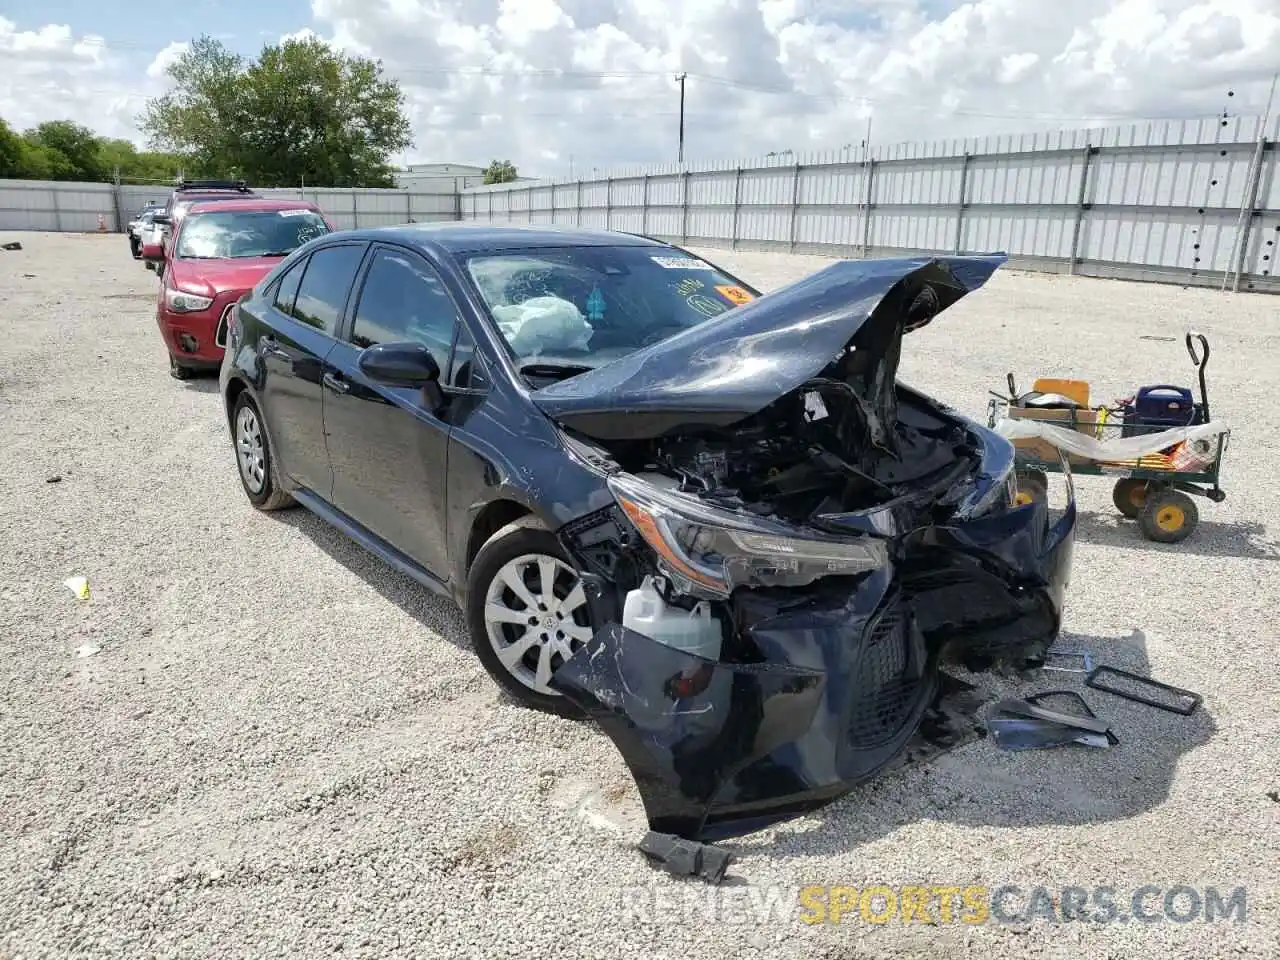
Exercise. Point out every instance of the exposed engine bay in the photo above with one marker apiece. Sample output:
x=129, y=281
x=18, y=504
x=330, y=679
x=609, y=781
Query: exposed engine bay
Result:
x=810, y=454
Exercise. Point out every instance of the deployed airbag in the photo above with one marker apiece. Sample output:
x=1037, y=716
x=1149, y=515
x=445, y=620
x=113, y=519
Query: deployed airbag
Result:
x=543, y=324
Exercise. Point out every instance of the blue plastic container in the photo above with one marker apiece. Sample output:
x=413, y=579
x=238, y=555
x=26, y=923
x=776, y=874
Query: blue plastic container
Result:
x=1160, y=407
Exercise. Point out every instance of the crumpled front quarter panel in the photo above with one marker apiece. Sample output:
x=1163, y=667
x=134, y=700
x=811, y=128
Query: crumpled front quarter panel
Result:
x=843, y=685
x=680, y=749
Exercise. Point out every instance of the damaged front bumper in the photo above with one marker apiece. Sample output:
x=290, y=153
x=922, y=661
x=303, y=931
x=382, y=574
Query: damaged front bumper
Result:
x=844, y=671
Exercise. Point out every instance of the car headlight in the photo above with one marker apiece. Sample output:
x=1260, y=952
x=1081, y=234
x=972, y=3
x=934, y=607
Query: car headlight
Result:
x=710, y=551
x=181, y=302
x=997, y=486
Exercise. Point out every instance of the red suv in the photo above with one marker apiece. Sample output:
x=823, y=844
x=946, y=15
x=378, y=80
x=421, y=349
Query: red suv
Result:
x=165, y=220
x=218, y=253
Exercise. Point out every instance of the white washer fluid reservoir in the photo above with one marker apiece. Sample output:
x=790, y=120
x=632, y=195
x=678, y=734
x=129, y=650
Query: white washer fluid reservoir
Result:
x=696, y=631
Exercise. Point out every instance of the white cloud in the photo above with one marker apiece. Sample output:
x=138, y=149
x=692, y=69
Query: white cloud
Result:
x=540, y=81
x=306, y=33
x=1015, y=66
x=165, y=59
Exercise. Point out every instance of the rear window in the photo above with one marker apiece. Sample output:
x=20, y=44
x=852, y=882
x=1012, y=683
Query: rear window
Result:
x=235, y=234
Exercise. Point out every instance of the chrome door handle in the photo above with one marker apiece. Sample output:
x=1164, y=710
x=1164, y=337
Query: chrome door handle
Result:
x=271, y=349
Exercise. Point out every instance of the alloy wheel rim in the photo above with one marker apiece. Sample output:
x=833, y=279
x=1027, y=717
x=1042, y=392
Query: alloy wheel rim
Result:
x=250, y=451
x=536, y=617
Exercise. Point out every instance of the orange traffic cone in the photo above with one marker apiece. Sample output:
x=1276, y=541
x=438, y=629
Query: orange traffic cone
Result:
x=102, y=223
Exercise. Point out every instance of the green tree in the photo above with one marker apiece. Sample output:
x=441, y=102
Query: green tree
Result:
x=72, y=152
x=301, y=112
x=11, y=152
x=500, y=171
x=132, y=164
x=41, y=162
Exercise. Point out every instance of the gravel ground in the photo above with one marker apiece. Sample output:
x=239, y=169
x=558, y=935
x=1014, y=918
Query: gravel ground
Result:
x=280, y=746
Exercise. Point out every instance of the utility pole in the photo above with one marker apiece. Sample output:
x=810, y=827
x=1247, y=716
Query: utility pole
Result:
x=680, y=78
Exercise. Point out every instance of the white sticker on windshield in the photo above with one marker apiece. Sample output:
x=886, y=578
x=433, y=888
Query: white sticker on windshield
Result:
x=293, y=213
x=682, y=263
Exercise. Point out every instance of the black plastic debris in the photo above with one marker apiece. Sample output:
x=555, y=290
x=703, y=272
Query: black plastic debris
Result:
x=1139, y=689
x=952, y=720
x=14, y=245
x=1028, y=725
x=686, y=858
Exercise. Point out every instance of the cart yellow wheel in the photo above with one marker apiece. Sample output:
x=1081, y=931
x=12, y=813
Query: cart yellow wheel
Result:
x=1168, y=516
x=1033, y=487
x=1129, y=496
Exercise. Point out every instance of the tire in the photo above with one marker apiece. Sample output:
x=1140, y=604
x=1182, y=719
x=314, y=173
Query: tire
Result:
x=254, y=462
x=178, y=371
x=1129, y=496
x=1033, y=487
x=1168, y=516
x=522, y=552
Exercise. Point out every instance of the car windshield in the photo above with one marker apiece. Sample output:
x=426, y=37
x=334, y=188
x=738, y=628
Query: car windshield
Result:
x=566, y=310
x=234, y=234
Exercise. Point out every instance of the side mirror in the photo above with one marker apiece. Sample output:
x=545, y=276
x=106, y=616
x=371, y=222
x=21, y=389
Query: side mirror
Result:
x=163, y=218
x=152, y=251
x=403, y=364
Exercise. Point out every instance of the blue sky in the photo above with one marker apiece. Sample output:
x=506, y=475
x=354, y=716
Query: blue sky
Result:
x=145, y=27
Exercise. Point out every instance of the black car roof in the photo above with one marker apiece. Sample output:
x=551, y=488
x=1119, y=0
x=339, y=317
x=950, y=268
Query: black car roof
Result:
x=453, y=237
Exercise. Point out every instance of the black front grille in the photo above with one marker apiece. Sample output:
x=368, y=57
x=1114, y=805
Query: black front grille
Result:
x=886, y=684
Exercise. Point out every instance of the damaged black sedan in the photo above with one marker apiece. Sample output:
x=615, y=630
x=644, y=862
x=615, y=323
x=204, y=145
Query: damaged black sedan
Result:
x=711, y=520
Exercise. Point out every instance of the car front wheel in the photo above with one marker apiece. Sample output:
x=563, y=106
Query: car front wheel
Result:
x=253, y=457
x=527, y=613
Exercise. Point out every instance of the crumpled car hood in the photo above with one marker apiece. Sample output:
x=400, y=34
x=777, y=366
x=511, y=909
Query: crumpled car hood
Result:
x=734, y=365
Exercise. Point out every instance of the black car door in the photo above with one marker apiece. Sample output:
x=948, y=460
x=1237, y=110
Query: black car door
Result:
x=309, y=306
x=388, y=445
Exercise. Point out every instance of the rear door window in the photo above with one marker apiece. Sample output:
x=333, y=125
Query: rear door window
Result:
x=322, y=295
x=287, y=288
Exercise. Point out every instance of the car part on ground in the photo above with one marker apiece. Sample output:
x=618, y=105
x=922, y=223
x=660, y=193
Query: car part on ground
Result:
x=1055, y=657
x=1140, y=689
x=685, y=858
x=1028, y=725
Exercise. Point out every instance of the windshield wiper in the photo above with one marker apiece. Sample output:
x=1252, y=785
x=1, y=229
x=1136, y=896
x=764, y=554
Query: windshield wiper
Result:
x=553, y=369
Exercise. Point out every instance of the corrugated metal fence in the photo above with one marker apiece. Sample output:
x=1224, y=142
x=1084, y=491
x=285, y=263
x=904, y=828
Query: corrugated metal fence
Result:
x=1178, y=201
x=1158, y=201
x=49, y=205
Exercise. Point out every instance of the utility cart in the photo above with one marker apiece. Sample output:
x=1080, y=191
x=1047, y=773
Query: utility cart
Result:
x=1160, y=444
